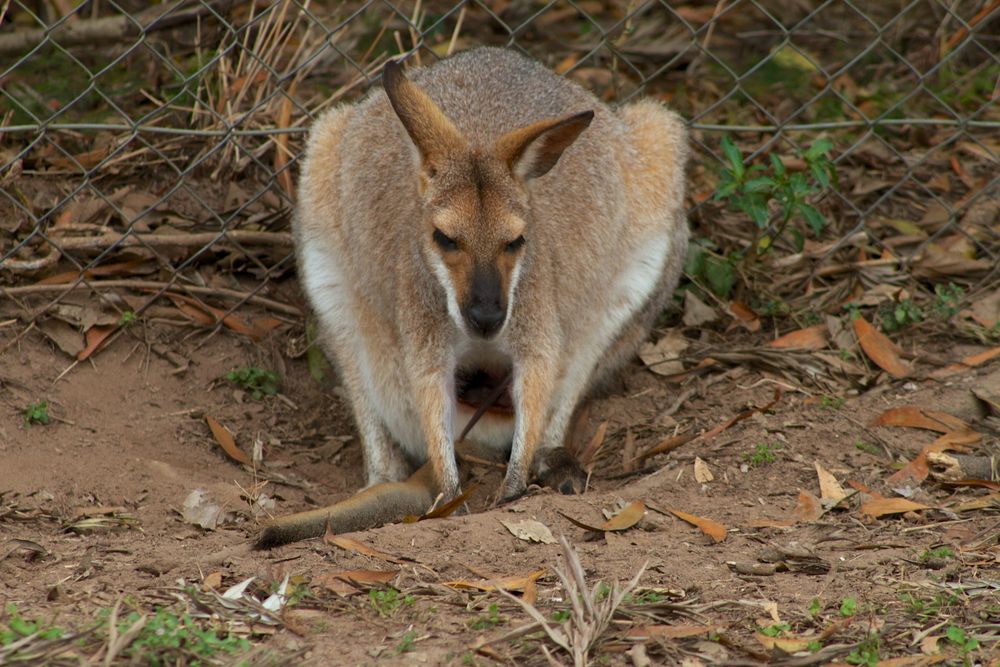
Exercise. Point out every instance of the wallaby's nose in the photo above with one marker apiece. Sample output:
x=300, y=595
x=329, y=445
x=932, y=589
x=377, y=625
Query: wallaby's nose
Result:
x=485, y=319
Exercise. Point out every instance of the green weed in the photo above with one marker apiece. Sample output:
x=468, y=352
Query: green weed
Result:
x=258, y=382
x=866, y=653
x=387, y=601
x=814, y=607
x=752, y=190
x=948, y=299
x=866, y=447
x=832, y=402
x=37, y=413
x=489, y=620
x=762, y=454
x=406, y=643
x=169, y=638
x=561, y=615
x=965, y=644
x=896, y=316
x=18, y=627
x=848, y=607
x=774, y=630
x=127, y=319
x=928, y=607
x=940, y=552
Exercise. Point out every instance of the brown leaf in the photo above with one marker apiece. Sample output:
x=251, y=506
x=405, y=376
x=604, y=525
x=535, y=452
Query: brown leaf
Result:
x=449, y=507
x=131, y=267
x=96, y=336
x=628, y=517
x=982, y=357
x=881, y=506
x=786, y=644
x=663, y=356
x=879, y=349
x=829, y=488
x=349, y=544
x=529, y=530
x=589, y=453
x=667, y=631
x=208, y=315
x=512, y=583
x=931, y=420
x=744, y=316
x=807, y=509
x=810, y=338
x=212, y=581
x=351, y=582
x=226, y=441
x=711, y=528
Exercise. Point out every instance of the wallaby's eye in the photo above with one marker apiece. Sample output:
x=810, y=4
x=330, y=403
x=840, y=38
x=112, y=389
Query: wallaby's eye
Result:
x=444, y=242
x=514, y=245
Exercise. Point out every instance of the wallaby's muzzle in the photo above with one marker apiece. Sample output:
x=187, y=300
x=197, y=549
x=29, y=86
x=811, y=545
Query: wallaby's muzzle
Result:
x=486, y=308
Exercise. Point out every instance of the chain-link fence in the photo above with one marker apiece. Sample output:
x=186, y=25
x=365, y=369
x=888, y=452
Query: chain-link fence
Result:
x=150, y=150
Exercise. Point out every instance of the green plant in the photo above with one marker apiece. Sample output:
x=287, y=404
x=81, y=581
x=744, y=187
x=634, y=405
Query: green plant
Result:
x=386, y=601
x=405, y=645
x=866, y=447
x=18, y=627
x=489, y=620
x=961, y=640
x=258, y=382
x=814, y=607
x=753, y=189
x=865, y=653
x=601, y=591
x=774, y=630
x=896, y=316
x=762, y=454
x=127, y=319
x=169, y=638
x=832, y=402
x=848, y=607
x=37, y=413
x=561, y=615
x=928, y=607
x=646, y=596
x=939, y=552
x=948, y=299
x=703, y=263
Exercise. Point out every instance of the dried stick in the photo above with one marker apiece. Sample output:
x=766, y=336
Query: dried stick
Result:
x=156, y=286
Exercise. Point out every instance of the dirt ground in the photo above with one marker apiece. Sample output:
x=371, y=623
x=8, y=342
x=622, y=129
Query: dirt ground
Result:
x=90, y=517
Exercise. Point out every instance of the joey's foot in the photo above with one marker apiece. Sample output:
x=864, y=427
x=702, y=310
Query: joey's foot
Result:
x=560, y=471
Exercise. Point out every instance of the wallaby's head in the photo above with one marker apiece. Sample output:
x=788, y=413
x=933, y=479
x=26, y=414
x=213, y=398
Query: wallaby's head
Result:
x=476, y=223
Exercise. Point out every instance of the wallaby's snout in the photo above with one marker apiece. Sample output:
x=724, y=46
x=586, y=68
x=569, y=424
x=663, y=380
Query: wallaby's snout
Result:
x=486, y=310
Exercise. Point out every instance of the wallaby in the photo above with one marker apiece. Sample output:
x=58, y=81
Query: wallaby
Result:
x=480, y=222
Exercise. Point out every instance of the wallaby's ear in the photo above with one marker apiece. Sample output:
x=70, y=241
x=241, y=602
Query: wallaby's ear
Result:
x=435, y=137
x=532, y=150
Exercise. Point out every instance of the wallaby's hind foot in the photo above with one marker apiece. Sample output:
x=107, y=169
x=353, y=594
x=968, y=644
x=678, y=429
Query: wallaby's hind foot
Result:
x=562, y=472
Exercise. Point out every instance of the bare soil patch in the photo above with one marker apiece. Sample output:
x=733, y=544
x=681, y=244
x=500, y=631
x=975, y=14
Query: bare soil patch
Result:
x=128, y=442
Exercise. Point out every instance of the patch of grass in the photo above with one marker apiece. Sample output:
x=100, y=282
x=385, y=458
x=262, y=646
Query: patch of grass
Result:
x=940, y=552
x=561, y=615
x=489, y=620
x=896, y=316
x=405, y=645
x=387, y=601
x=258, y=382
x=127, y=319
x=958, y=638
x=928, y=607
x=848, y=607
x=832, y=402
x=37, y=413
x=948, y=299
x=774, y=630
x=170, y=638
x=646, y=596
x=18, y=627
x=814, y=607
x=762, y=454
x=601, y=591
x=865, y=653
x=704, y=264
x=866, y=447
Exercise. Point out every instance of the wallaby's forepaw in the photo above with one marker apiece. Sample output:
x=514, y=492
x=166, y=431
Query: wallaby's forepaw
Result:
x=562, y=473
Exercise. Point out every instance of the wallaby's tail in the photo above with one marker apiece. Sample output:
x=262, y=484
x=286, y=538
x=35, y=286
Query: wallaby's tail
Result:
x=373, y=507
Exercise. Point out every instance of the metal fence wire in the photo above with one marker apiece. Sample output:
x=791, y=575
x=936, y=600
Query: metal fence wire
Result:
x=150, y=149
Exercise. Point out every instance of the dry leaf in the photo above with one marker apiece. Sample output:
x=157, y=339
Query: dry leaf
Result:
x=628, y=517
x=663, y=356
x=711, y=528
x=667, y=631
x=931, y=420
x=226, y=441
x=879, y=349
x=212, y=581
x=351, y=582
x=512, y=583
x=96, y=336
x=786, y=644
x=696, y=311
x=349, y=544
x=881, y=506
x=807, y=509
x=829, y=488
x=810, y=338
x=589, y=453
x=985, y=310
x=744, y=316
x=449, y=507
x=199, y=509
x=702, y=474
x=530, y=530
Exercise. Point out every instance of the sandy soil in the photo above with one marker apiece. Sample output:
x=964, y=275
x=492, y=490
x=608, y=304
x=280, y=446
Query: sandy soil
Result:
x=128, y=442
